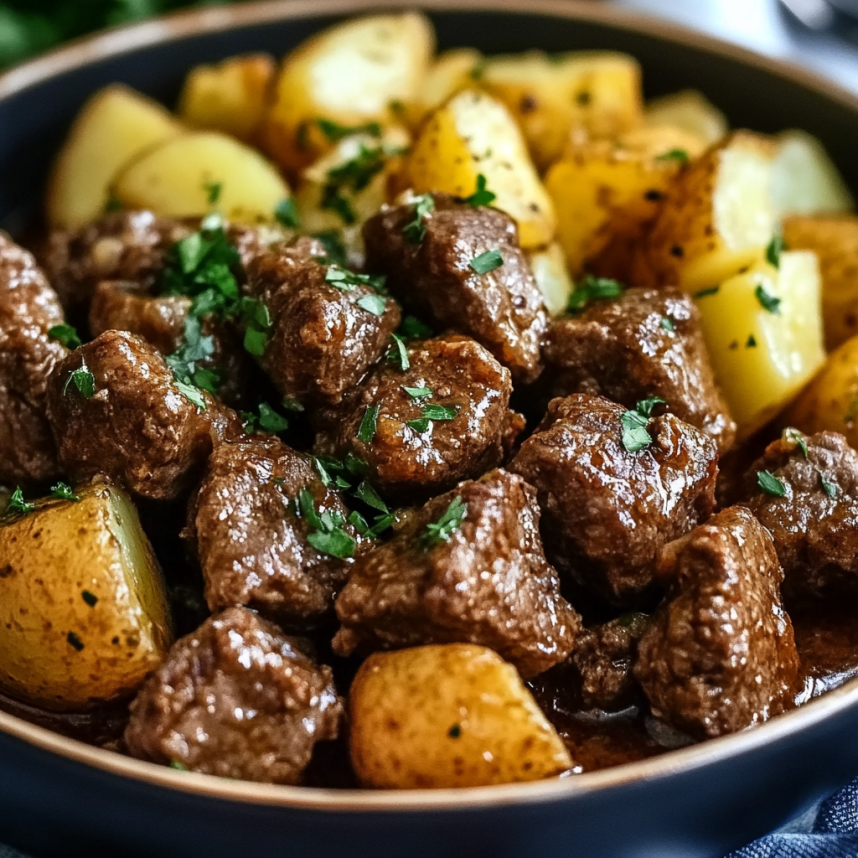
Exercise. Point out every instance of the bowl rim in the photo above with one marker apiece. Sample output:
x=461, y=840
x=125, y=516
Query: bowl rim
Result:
x=174, y=27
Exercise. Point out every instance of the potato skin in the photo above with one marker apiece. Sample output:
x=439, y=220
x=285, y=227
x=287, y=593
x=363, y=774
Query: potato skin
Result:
x=455, y=715
x=83, y=612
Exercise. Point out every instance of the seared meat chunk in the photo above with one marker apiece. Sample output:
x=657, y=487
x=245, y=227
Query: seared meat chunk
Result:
x=383, y=424
x=720, y=654
x=483, y=579
x=815, y=523
x=236, y=699
x=646, y=343
x=251, y=541
x=607, y=509
x=325, y=332
x=501, y=309
x=116, y=410
x=29, y=308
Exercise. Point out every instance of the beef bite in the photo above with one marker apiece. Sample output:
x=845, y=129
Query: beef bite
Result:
x=115, y=409
x=432, y=268
x=614, y=487
x=29, y=308
x=720, y=655
x=236, y=699
x=648, y=342
x=253, y=539
x=804, y=490
x=422, y=429
x=467, y=567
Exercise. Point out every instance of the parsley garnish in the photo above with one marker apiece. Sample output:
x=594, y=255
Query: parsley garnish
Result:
x=488, y=261
x=178, y=766
x=63, y=491
x=335, y=132
x=773, y=251
x=768, y=301
x=455, y=731
x=366, y=493
x=327, y=535
x=83, y=380
x=353, y=176
x=594, y=289
x=369, y=424
x=335, y=249
x=635, y=435
x=213, y=191
x=255, y=315
x=66, y=335
x=75, y=641
x=415, y=230
x=286, y=213
x=482, y=196
x=449, y=522
x=437, y=413
x=666, y=324
x=398, y=353
x=795, y=437
x=705, y=293
x=417, y=392
x=195, y=349
x=346, y=281
x=90, y=598
x=413, y=329
x=18, y=504
x=268, y=420
x=374, y=304
x=829, y=488
x=193, y=394
x=674, y=155
x=752, y=342
x=770, y=484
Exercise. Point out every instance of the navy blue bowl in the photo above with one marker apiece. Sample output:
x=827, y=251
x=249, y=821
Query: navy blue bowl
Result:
x=60, y=797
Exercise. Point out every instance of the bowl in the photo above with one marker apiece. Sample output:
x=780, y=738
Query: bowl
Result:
x=61, y=797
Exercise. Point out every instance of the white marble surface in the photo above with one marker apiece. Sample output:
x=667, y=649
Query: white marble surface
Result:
x=762, y=26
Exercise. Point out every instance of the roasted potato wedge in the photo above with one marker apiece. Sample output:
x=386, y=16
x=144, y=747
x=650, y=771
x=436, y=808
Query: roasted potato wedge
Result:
x=835, y=242
x=362, y=71
x=231, y=96
x=114, y=126
x=763, y=332
x=448, y=716
x=453, y=70
x=552, y=276
x=555, y=97
x=716, y=219
x=688, y=110
x=471, y=134
x=606, y=192
x=190, y=175
x=83, y=612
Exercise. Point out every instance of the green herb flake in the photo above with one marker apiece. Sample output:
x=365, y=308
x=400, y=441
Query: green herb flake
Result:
x=90, y=598
x=752, y=342
x=767, y=301
x=193, y=394
x=17, y=503
x=486, y=262
x=66, y=335
x=674, y=155
x=415, y=230
x=417, y=392
x=455, y=731
x=420, y=424
x=635, y=434
x=327, y=535
x=793, y=436
x=286, y=213
x=366, y=493
x=75, y=641
x=439, y=412
x=335, y=132
x=413, y=329
x=770, y=484
x=443, y=529
x=213, y=191
x=774, y=250
x=399, y=353
x=374, y=304
x=83, y=381
x=368, y=424
x=335, y=248
x=178, y=766
x=482, y=196
x=594, y=289
x=666, y=324
x=63, y=491
x=828, y=487
x=346, y=281
x=705, y=293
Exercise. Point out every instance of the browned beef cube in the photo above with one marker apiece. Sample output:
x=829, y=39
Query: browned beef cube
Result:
x=409, y=454
x=252, y=540
x=29, y=308
x=236, y=699
x=646, y=343
x=608, y=507
x=720, y=654
x=815, y=521
x=115, y=409
x=467, y=567
x=501, y=309
x=325, y=332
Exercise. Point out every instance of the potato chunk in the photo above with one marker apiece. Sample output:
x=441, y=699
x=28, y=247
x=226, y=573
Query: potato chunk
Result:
x=552, y=277
x=83, y=613
x=455, y=715
x=351, y=74
x=835, y=242
x=180, y=178
x=475, y=134
x=453, y=70
x=115, y=125
x=716, y=219
x=763, y=331
x=231, y=96
x=688, y=110
x=591, y=94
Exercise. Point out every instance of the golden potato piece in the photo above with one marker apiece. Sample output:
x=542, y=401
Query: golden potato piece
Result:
x=471, y=134
x=552, y=277
x=453, y=70
x=606, y=192
x=554, y=97
x=190, y=175
x=717, y=218
x=114, y=126
x=688, y=110
x=835, y=242
x=830, y=401
x=763, y=331
x=362, y=71
x=231, y=96
x=83, y=612
x=455, y=715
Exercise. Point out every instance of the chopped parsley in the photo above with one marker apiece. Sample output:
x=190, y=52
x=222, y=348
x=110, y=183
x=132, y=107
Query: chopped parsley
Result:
x=774, y=250
x=66, y=335
x=335, y=248
x=63, y=491
x=18, y=504
x=440, y=531
x=368, y=424
x=674, y=155
x=374, y=304
x=255, y=315
x=90, y=598
x=346, y=281
x=829, y=488
x=82, y=379
x=327, y=535
x=340, y=474
x=366, y=493
x=455, y=731
x=752, y=342
x=213, y=191
x=635, y=434
x=398, y=353
x=335, y=132
x=796, y=437
x=770, y=484
x=417, y=392
x=413, y=329
x=268, y=420
x=705, y=293
x=488, y=261
x=437, y=413
x=286, y=213
x=482, y=196
x=593, y=289
x=75, y=641
x=193, y=394
x=178, y=766
x=194, y=350
x=415, y=230
x=666, y=324
x=767, y=301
